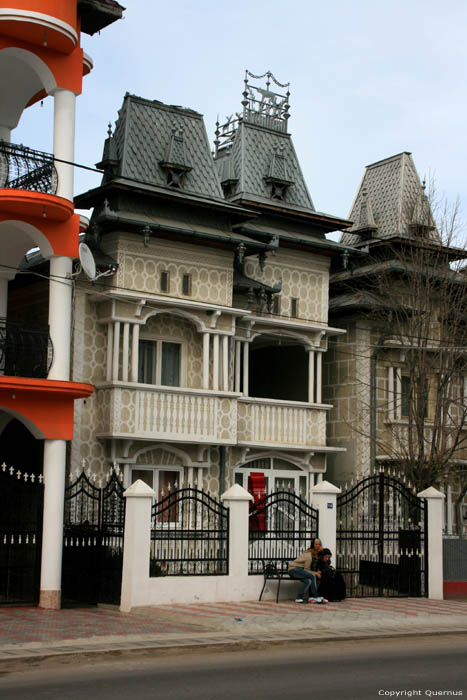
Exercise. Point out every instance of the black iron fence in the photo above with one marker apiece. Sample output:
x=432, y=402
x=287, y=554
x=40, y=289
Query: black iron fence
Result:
x=93, y=541
x=382, y=538
x=22, y=168
x=189, y=535
x=24, y=352
x=21, y=504
x=281, y=525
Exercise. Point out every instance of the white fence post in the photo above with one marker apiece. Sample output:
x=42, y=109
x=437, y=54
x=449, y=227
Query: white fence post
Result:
x=237, y=499
x=136, y=545
x=324, y=497
x=434, y=559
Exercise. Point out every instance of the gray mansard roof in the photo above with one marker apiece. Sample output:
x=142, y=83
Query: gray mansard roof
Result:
x=390, y=202
x=151, y=136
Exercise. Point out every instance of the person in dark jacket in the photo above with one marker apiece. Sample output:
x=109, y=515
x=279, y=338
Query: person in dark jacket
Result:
x=331, y=582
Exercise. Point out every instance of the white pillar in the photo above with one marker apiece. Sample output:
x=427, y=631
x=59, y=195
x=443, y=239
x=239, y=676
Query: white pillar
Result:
x=136, y=545
x=434, y=559
x=125, y=351
x=324, y=499
x=215, y=362
x=60, y=291
x=237, y=366
x=199, y=477
x=206, y=337
x=319, y=377
x=237, y=500
x=134, y=353
x=311, y=376
x=398, y=396
x=64, y=140
x=116, y=351
x=246, y=351
x=449, y=509
x=225, y=363
x=52, y=524
x=391, y=393
x=110, y=345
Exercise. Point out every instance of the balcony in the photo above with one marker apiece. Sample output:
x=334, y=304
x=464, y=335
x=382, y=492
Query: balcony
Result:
x=280, y=423
x=24, y=352
x=22, y=168
x=166, y=413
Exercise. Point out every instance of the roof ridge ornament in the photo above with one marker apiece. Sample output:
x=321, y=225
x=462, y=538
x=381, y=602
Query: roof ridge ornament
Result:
x=263, y=106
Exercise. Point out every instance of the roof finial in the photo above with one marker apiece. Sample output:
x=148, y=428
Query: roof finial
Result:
x=109, y=130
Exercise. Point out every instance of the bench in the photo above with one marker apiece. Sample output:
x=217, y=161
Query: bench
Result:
x=274, y=572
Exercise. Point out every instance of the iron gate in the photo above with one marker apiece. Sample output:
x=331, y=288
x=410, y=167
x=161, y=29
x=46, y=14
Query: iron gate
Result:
x=281, y=526
x=21, y=507
x=93, y=541
x=382, y=539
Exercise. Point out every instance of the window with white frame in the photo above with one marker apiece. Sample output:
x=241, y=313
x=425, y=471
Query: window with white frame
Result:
x=159, y=362
x=164, y=481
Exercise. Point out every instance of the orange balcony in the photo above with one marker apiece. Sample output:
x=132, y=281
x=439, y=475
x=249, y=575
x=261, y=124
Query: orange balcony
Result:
x=49, y=23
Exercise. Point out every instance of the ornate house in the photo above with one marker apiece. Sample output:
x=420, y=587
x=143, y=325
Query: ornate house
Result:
x=204, y=338
x=396, y=379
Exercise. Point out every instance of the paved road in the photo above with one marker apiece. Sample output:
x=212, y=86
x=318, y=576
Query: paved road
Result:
x=358, y=670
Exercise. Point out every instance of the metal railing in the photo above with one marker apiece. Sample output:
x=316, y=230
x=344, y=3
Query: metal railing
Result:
x=22, y=168
x=190, y=535
x=24, y=352
x=281, y=526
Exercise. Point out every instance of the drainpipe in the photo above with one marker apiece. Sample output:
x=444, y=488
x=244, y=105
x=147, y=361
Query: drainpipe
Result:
x=221, y=469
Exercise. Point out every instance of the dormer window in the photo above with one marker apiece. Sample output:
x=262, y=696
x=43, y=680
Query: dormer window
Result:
x=175, y=163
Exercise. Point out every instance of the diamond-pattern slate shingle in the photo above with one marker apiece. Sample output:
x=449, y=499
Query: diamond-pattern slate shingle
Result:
x=393, y=188
x=142, y=136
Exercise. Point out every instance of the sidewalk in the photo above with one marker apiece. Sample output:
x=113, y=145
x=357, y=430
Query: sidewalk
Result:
x=32, y=633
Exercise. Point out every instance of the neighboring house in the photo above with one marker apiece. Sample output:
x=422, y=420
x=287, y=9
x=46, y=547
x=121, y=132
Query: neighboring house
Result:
x=396, y=379
x=205, y=347
x=40, y=57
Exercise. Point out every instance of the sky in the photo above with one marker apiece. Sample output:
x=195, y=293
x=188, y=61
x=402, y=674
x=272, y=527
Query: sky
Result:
x=368, y=79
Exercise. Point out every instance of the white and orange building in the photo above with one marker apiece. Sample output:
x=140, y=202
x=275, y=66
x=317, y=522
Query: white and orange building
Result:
x=41, y=57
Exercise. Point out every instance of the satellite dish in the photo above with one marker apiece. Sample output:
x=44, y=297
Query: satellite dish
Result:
x=87, y=261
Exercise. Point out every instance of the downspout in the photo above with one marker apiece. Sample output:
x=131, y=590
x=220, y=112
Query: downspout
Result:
x=221, y=469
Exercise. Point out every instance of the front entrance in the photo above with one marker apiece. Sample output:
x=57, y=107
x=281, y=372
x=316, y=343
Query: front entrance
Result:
x=279, y=475
x=382, y=539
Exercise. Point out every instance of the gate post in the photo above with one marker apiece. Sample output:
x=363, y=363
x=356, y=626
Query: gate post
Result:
x=434, y=541
x=237, y=499
x=136, y=545
x=324, y=498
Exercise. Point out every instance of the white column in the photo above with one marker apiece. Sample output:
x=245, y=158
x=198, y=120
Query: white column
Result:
x=199, y=477
x=116, y=351
x=449, y=509
x=64, y=140
x=434, y=559
x=206, y=337
x=324, y=499
x=110, y=345
x=246, y=351
x=237, y=500
x=398, y=396
x=237, y=365
x=319, y=376
x=60, y=290
x=134, y=353
x=311, y=485
x=311, y=376
x=52, y=524
x=225, y=363
x=136, y=546
x=215, y=362
x=125, y=351
x=391, y=393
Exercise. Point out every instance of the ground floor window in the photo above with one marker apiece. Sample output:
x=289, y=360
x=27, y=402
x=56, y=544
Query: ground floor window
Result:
x=279, y=475
x=164, y=481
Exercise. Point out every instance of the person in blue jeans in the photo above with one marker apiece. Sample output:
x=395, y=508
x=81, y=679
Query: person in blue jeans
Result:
x=300, y=569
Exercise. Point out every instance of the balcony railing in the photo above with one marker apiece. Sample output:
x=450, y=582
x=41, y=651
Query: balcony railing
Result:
x=281, y=423
x=22, y=168
x=24, y=352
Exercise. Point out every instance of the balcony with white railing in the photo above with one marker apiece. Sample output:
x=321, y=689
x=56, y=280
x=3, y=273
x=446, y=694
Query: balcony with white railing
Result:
x=140, y=411
x=277, y=423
